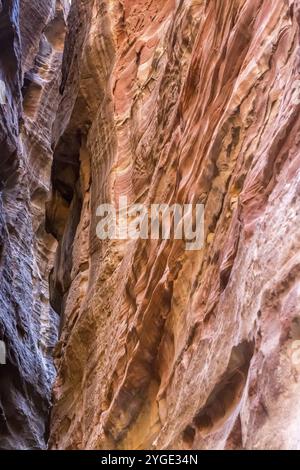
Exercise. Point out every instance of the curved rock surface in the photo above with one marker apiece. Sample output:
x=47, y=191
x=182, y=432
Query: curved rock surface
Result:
x=179, y=101
x=30, y=69
x=161, y=101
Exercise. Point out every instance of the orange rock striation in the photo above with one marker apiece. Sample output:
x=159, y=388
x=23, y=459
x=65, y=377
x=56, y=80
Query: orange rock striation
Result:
x=179, y=101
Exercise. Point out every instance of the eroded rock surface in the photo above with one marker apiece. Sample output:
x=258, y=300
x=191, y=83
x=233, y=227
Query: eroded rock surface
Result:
x=162, y=101
x=179, y=101
x=30, y=72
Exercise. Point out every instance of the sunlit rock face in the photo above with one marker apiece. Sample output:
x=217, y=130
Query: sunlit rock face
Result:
x=178, y=101
x=31, y=37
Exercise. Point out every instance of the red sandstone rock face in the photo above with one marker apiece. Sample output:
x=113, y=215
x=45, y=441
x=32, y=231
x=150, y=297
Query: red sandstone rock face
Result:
x=161, y=101
x=179, y=101
x=30, y=64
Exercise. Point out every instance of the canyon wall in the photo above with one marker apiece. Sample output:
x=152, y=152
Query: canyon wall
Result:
x=178, y=102
x=161, y=101
x=32, y=39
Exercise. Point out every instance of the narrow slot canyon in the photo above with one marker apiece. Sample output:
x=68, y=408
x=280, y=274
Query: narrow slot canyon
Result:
x=146, y=342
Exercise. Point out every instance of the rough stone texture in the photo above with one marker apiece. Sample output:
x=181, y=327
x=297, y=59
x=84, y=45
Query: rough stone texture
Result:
x=162, y=101
x=179, y=101
x=32, y=37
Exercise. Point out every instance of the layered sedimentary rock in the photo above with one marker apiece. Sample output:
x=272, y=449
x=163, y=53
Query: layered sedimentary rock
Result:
x=32, y=38
x=178, y=102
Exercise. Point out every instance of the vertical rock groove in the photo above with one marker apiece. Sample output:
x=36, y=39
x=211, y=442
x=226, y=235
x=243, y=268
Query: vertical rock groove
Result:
x=155, y=346
x=30, y=73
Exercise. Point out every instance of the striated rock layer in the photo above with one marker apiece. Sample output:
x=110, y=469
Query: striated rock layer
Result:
x=178, y=101
x=32, y=38
x=161, y=101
